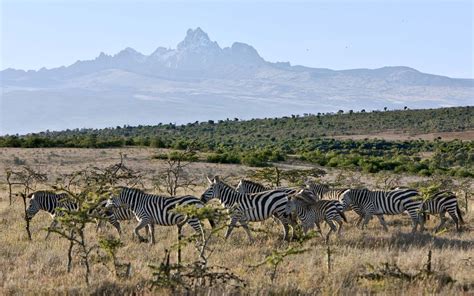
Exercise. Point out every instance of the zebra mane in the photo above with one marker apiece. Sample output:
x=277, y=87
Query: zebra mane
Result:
x=132, y=189
x=252, y=182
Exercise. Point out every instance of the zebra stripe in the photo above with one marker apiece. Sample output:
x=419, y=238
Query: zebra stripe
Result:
x=152, y=209
x=247, y=186
x=249, y=207
x=368, y=203
x=440, y=203
x=314, y=213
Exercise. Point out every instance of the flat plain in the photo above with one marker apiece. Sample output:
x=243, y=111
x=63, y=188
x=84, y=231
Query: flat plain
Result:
x=360, y=259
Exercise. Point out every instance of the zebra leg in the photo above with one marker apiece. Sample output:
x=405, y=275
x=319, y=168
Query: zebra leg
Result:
x=340, y=227
x=233, y=221
x=142, y=223
x=333, y=229
x=246, y=228
x=151, y=230
x=367, y=218
x=382, y=221
x=359, y=220
x=197, y=226
x=319, y=228
x=455, y=218
x=443, y=220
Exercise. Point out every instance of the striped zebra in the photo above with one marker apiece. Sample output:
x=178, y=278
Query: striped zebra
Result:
x=249, y=207
x=440, y=203
x=324, y=192
x=247, y=186
x=311, y=210
x=150, y=209
x=368, y=203
x=49, y=202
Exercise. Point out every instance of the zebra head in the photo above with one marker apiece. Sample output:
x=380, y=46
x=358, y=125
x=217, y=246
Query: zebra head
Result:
x=33, y=207
x=290, y=207
x=213, y=191
x=347, y=199
x=114, y=202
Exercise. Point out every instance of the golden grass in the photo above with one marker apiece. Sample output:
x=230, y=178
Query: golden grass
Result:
x=39, y=267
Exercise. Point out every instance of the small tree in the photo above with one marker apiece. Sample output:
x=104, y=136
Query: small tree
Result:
x=175, y=175
x=26, y=179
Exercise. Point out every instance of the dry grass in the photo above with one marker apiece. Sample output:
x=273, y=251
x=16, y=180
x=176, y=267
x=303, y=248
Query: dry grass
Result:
x=39, y=267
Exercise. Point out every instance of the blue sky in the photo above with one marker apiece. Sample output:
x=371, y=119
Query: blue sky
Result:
x=431, y=36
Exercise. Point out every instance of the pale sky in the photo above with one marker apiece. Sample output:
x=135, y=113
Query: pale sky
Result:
x=431, y=36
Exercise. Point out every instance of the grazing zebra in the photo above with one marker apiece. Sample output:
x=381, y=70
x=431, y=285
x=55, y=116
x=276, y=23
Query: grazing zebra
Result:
x=247, y=186
x=311, y=210
x=249, y=207
x=440, y=203
x=152, y=209
x=368, y=203
x=49, y=202
x=324, y=192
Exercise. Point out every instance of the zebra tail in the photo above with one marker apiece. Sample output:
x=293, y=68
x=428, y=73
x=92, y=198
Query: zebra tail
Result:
x=458, y=212
x=342, y=215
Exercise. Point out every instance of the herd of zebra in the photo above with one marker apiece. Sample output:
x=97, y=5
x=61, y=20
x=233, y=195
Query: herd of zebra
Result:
x=253, y=202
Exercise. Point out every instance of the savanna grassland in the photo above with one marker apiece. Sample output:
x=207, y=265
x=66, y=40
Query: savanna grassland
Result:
x=362, y=261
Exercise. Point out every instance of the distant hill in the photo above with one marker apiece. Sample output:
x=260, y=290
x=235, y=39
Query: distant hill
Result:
x=199, y=80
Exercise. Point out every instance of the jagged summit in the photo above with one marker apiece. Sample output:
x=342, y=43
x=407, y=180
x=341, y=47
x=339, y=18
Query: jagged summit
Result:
x=197, y=39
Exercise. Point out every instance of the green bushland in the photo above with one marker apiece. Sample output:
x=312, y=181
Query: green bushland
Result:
x=258, y=142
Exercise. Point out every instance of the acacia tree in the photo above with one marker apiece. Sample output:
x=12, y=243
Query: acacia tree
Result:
x=26, y=179
x=175, y=175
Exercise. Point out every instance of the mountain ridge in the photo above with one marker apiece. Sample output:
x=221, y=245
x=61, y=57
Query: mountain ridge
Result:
x=199, y=80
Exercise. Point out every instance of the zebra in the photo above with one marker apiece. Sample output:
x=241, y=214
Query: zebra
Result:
x=150, y=209
x=247, y=186
x=249, y=207
x=49, y=202
x=311, y=210
x=368, y=203
x=440, y=203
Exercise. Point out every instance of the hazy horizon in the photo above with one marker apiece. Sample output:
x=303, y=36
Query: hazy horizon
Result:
x=432, y=37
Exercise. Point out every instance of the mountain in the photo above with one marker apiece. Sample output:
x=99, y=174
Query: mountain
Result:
x=199, y=80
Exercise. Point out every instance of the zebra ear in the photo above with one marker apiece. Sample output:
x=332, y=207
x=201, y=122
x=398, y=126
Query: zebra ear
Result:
x=210, y=181
x=216, y=179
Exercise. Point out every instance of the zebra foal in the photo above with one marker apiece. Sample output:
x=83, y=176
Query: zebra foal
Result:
x=311, y=211
x=440, y=203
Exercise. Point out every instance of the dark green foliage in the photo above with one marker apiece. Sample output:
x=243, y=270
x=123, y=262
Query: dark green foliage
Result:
x=225, y=157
